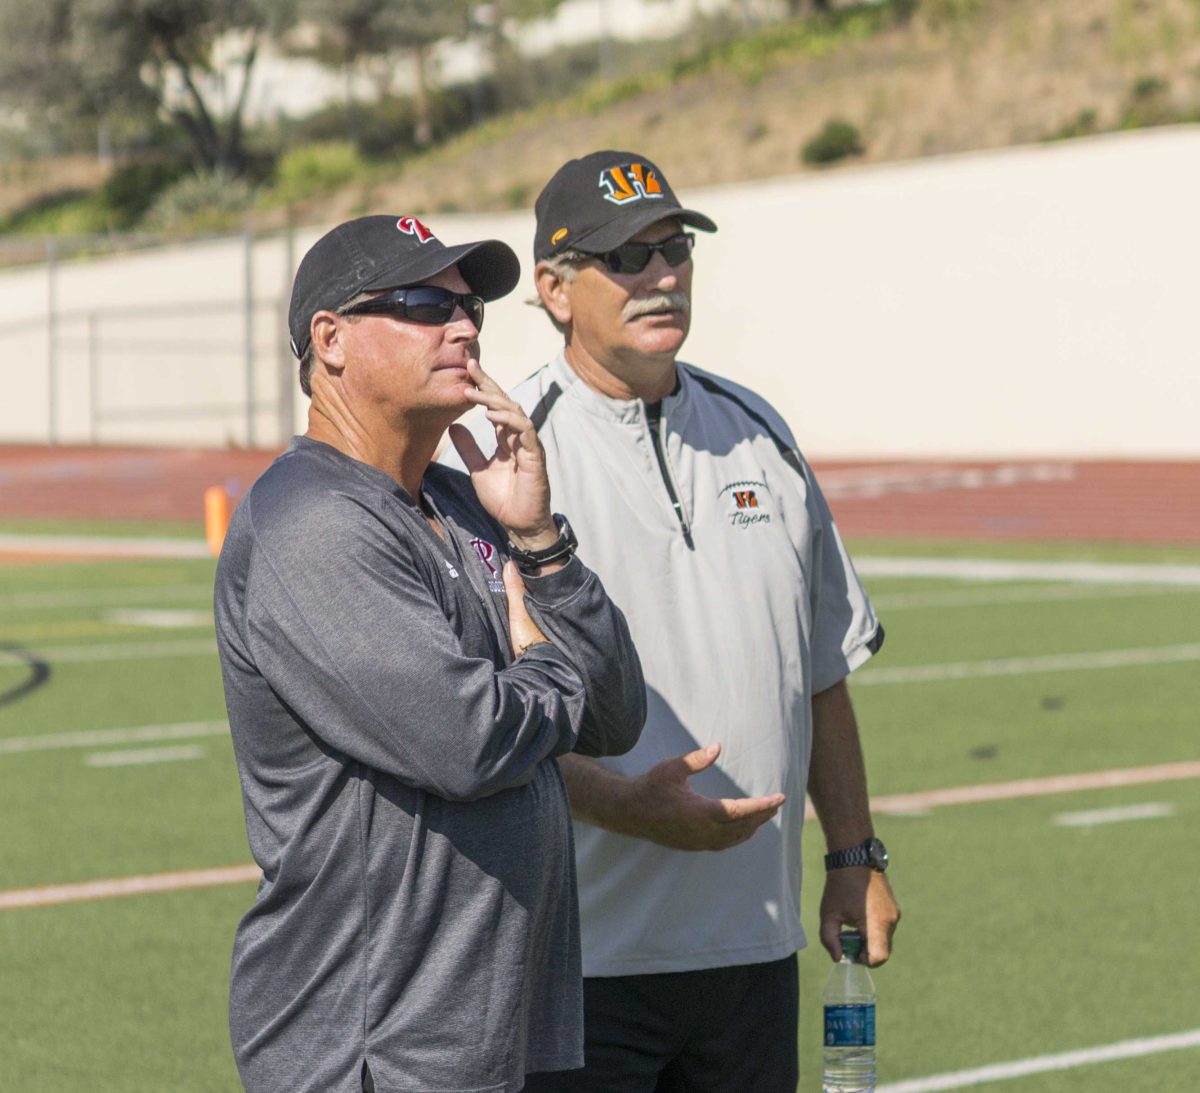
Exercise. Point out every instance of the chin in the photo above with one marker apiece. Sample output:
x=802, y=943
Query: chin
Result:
x=666, y=340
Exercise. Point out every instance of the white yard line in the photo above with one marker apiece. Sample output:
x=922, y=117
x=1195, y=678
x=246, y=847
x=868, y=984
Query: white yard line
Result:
x=1042, y=1064
x=991, y=595
x=167, y=882
x=105, y=597
x=99, y=738
x=1036, y=787
x=161, y=618
x=78, y=654
x=1092, y=817
x=142, y=756
x=51, y=895
x=98, y=546
x=1020, y=666
x=983, y=569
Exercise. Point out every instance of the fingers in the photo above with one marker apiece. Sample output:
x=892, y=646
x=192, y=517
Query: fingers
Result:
x=831, y=935
x=483, y=382
x=468, y=451
x=756, y=809
x=696, y=761
x=883, y=914
x=862, y=900
x=486, y=392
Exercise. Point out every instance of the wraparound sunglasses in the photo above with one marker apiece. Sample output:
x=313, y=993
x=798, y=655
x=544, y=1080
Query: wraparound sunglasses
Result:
x=635, y=257
x=429, y=304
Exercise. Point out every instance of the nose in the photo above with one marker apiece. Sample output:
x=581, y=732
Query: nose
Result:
x=460, y=327
x=660, y=273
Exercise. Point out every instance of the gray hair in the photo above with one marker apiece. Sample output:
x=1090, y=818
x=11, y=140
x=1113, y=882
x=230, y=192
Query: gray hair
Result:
x=563, y=267
x=309, y=361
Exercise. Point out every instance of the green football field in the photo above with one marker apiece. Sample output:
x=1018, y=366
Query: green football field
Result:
x=1035, y=923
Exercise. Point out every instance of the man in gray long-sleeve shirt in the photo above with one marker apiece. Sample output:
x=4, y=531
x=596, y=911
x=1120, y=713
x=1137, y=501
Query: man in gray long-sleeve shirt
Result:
x=398, y=694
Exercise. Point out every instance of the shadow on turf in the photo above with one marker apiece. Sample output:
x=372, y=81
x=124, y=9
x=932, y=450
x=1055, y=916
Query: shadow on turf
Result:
x=39, y=673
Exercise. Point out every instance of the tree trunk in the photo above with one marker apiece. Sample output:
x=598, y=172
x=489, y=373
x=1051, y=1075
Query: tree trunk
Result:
x=422, y=114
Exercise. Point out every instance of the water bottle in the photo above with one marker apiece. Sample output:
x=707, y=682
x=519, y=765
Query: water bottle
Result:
x=849, y=1022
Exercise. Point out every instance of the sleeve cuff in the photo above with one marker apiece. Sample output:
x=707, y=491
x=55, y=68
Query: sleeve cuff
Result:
x=554, y=589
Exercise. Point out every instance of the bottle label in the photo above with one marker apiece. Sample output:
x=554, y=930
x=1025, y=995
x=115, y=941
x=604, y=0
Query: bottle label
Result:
x=849, y=1026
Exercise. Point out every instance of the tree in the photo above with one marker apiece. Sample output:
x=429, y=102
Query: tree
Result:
x=96, y=58
x=354, y=32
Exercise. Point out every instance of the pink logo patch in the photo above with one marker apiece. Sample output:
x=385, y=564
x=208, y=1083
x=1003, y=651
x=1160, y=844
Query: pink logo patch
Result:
x=486, y=553
x=410, y=225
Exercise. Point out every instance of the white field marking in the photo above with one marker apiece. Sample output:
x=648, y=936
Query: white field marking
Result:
x=1020, y=666
x=99, y=738
x=991, y=595
x=166, y=882
x=105, y=597
x=1117, y=815
x=1042, y=1064
x=103, y=546
x=982, y=569
x=78, y=654
x=127, y=886
x=908, y=803
x=141, y=756
x=162, y=618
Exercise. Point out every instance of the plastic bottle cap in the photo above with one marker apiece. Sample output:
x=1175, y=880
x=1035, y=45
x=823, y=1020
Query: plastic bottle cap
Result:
x=852, y=944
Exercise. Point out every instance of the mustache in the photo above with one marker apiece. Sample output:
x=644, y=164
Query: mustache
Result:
x=660, y=301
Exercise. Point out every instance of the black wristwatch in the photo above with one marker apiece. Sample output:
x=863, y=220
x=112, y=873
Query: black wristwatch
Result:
x=530, y=561
x=870, y=852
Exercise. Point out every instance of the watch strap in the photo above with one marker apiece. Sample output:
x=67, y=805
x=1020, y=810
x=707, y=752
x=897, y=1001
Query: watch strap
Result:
x=870, y=852
x=529, y=561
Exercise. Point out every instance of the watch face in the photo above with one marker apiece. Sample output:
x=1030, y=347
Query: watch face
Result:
x=878, y=855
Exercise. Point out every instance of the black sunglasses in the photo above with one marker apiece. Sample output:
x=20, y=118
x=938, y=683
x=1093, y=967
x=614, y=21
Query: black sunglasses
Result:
x=430, y=304
x=635, y=257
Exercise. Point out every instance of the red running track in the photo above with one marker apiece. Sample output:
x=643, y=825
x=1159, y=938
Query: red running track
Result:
x=1049, y=499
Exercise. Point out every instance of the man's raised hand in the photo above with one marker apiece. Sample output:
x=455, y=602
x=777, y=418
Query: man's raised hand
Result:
x=512, y=485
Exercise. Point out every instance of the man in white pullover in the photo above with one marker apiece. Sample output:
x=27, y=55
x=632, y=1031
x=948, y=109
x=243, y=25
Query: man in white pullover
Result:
x=709, y=530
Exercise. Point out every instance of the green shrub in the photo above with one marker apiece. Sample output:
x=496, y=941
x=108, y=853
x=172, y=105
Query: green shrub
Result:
x=314, y=170
x=1082, y=125
x=130, y=191
x=1148, y=104
x=386, y=128
x=1147, y=87
x=68, y=212
x=202, y=201
x=837, y=140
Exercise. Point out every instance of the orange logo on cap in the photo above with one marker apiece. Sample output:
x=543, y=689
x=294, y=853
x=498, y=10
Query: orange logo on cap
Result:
x=558, y=237
x=630, y=182
x=410, y=225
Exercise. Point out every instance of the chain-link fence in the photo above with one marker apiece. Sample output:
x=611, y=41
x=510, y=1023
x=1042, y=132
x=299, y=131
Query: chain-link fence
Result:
x=118, y=344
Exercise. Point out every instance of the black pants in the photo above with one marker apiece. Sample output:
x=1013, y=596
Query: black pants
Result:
x=721, y=1030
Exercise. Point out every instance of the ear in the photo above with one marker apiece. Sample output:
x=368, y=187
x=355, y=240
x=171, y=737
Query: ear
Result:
x=326, y=330
x=554, y=292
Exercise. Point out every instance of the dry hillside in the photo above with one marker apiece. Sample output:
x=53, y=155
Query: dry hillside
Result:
x=961, y=75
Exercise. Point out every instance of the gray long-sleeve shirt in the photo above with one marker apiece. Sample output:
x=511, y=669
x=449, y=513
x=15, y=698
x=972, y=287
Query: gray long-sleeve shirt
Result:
x=417, y=907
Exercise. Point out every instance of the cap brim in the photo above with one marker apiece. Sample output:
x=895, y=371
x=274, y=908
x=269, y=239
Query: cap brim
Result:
x=624, y=228
x=491, y=268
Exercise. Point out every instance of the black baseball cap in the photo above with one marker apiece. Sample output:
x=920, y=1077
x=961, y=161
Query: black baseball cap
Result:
x=389, y=252
x=601, y=201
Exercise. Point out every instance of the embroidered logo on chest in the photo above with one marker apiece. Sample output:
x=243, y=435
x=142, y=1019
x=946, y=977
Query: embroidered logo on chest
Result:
x=745, y=503
x=488, y=557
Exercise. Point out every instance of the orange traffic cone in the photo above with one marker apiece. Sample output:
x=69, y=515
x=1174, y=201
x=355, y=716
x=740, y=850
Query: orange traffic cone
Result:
x=218, y=506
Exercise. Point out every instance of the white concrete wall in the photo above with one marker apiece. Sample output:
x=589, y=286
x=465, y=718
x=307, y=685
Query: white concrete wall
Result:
x=1028, y=302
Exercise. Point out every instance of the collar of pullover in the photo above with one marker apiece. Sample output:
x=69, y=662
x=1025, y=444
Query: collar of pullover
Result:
x=675, y=407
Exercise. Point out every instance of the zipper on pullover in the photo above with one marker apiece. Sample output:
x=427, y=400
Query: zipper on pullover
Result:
x=654, y=423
